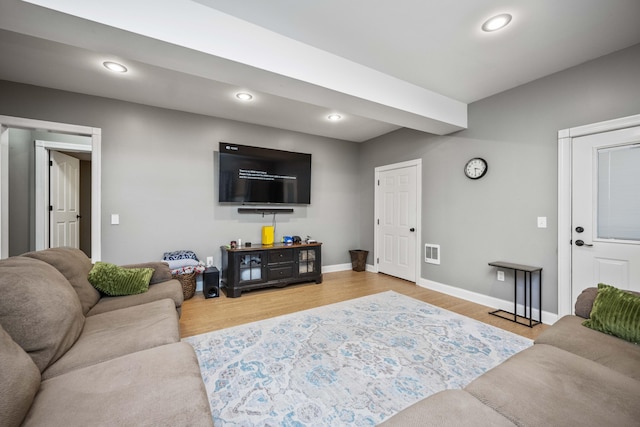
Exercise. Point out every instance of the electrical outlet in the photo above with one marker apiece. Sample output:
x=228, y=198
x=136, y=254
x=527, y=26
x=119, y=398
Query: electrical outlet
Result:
x=542, y=222
x=209, y=261
x=501, y=275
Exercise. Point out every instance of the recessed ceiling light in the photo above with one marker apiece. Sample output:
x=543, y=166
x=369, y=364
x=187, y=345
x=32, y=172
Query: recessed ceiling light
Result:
x=244, y=96
x=115, y=67
x=497, y=22
x=334, y=117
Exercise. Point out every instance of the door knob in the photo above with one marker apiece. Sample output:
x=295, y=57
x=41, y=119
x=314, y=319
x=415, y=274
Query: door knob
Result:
x=579, y=229
x=412, y=229
x=581, y=243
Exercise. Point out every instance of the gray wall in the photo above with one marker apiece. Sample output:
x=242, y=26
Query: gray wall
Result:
x=494, y=218
x=21, y=192
x=159, y=175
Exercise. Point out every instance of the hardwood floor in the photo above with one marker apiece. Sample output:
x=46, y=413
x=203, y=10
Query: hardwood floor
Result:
x=200, y=315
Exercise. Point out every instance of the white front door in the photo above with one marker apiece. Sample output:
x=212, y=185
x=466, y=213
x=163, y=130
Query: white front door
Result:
x=64, y=198
x=397, y=221
x=606, y=210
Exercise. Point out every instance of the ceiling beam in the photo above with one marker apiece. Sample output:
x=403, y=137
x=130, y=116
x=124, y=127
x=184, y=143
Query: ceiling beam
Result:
x=220, y=47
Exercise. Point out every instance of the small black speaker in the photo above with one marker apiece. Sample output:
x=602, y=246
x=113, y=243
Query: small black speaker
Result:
x=211, y=283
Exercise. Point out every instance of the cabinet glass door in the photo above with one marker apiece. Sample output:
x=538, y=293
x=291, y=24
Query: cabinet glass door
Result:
x=251, y=267
x=306, y=261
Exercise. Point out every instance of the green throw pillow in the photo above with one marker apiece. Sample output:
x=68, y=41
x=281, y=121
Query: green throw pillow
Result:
x=115, y=281
x=616, y=312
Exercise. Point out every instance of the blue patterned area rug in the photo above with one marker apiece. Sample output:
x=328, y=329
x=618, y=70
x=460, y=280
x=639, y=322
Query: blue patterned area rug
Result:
x=354, y=363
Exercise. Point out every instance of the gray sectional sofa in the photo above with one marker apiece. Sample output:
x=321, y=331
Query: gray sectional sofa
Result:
x=571, y=376
x=72, y=357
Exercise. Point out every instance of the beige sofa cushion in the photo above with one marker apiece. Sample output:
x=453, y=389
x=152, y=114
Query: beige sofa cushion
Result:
x=39, y=309
x=171, y=289
x=615, y=353
x=75, y=266
x=448, y=408
x=119, y=332
x=547, y=386
x=156, y=387
x=19, y=381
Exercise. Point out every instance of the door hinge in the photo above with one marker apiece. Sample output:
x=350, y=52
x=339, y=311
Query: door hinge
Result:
x=378, y=183
x=377, y=260
x=50, y=208
x=378, y=221
x=50, y=162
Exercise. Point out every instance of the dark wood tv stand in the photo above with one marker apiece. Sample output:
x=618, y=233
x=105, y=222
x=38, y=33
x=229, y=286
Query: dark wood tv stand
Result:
x=261, y=266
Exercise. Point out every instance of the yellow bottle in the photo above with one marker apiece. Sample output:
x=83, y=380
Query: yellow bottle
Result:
x=268, y=232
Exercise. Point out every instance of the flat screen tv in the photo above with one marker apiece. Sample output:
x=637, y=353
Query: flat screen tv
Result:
x=254, y=175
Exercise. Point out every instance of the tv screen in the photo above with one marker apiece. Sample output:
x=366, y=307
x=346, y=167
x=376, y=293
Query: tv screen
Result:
x=253, y=175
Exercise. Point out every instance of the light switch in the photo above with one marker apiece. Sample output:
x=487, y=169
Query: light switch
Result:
x=115, y=219
x=542, y=222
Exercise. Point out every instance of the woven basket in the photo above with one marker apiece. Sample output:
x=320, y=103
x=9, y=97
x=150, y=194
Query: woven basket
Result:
x=188, y=282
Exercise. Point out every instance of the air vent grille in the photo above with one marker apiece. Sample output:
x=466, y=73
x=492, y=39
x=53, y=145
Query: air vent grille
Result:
x=432, y=253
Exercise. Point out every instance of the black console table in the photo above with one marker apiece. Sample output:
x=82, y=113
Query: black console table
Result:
x=527, y=271
x=260, y=266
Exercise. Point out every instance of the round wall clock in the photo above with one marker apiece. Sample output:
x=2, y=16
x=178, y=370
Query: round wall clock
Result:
x=476, y=168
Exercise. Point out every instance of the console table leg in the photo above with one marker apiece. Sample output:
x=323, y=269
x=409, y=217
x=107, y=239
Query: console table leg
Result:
x=539, y=319
x=515, y=295
x=527, y=286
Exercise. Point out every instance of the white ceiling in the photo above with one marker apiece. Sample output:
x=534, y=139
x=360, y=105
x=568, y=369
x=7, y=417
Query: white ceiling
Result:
x=380, y=64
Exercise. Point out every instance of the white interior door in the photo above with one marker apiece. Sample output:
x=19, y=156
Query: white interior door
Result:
x=64, y=198
x=397, y=217
x=606, y=210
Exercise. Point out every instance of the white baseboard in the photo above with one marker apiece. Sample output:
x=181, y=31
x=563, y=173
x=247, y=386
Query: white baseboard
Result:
x=547, y=318
x=344, y=267
x=336, y=267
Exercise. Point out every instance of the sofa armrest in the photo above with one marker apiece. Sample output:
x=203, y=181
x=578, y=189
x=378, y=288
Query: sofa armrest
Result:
x=161, y=271
x=584, y=302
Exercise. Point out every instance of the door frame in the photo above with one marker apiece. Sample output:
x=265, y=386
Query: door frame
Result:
x=42, y=149
x=7, y=122
x=565, y=145
x=410, y=163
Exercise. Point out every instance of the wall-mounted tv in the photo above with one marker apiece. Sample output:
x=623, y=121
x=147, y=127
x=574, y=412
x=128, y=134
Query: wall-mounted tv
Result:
x=254, y=175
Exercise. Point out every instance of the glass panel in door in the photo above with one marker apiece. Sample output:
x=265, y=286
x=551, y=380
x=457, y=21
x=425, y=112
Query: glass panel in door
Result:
x=618, y=193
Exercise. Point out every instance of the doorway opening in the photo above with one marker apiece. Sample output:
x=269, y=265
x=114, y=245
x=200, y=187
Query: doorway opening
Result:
x=54, y=201
x=28, y=185
x=398, y=204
